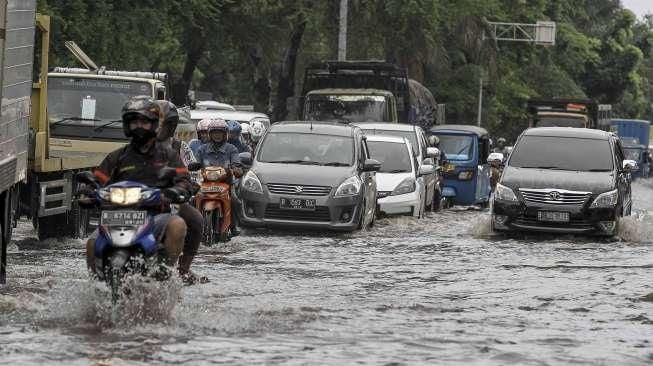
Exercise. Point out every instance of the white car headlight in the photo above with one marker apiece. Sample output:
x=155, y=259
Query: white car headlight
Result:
x=607, y=199
x=252, y=183
x=125, y=196
x=408, y=185
x=504, y=193
x=350, y=187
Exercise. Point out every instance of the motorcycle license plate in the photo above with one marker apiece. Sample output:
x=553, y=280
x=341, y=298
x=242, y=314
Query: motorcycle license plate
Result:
x=212, y=189
x=297, y=204
x=552, y=216
x=123, y=218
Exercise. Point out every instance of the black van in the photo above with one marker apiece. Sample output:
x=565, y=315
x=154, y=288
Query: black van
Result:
x=564, y=180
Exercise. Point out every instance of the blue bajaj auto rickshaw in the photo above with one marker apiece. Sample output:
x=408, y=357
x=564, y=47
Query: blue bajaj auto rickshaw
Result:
x=466, y=171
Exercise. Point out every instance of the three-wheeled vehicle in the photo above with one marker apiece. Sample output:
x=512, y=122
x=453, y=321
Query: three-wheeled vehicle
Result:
x=466, y=171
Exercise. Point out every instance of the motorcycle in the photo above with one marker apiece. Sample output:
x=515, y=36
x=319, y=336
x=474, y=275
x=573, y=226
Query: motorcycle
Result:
x=214, y=202
x=125, y=243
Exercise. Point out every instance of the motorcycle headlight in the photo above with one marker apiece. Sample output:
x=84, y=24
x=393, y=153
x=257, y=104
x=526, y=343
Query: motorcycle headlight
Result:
x=251, y=183
x=607, y=199
x=350, y=187
x=214, y=174
x=125, y=196
x=504, y=193
x=406, y=186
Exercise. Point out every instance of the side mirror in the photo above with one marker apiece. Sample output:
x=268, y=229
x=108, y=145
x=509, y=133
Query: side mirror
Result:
x=428, y=161
x=371, y=165
x=433, y=152
x=194, y=166
x=630, y=165
x=426, y=170
x=245, y=158
x=87, y=178
x=495, y=157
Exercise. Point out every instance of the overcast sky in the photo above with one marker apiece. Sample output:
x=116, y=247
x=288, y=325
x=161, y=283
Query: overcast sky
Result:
x=639, y=7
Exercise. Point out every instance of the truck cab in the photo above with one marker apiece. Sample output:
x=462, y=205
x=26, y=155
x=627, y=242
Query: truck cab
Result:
x=350, y=105
x=569, y=113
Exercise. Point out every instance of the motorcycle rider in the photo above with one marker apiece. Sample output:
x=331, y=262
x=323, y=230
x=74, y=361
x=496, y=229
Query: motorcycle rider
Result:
x=258, y=129
x=247, y=135
x=495, y=172
x=191, y=216
x=202, y=136
x=141, y=161
x=218, y=152
x=234, y=131
x=501, y=146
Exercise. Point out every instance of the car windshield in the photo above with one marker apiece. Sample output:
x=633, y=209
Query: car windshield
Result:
x=563, y=153
x=409, y=135
x=306, y=148
x=457, y=147
x=394, y=156
x=632, y=153
x=90, y=108
x=347, y=108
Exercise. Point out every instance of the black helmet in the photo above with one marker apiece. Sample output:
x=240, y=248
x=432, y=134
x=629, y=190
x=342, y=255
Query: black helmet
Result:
x=140, y=106
x=169, y=119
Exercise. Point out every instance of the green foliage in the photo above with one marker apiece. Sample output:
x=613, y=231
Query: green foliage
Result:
x=233, y=48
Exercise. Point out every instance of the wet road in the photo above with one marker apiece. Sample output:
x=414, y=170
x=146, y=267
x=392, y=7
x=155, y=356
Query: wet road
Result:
x=435, y=291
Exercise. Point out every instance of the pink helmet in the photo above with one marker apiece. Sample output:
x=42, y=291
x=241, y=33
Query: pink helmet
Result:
x=202, y=126
x=216, y=124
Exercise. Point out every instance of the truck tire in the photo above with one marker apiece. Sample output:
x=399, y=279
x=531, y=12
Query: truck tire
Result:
x=80, y=222
x=55, y=226
x=4, y=243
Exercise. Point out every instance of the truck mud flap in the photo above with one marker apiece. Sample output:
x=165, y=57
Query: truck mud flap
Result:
x=54, y=197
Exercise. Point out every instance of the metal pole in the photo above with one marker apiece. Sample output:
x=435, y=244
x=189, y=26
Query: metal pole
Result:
x=480, y=100
x=342, y=34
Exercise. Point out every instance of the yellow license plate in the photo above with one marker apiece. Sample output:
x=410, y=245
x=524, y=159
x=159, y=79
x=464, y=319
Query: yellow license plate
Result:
x=449, y=168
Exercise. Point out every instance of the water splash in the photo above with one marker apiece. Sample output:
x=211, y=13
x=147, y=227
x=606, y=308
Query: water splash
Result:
x=636, y=229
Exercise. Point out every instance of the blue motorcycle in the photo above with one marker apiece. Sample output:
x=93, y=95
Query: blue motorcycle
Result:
x=125, y=242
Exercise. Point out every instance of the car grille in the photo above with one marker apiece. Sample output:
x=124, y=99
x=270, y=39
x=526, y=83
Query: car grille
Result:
x=554, y=196
x=321, y=213
x=298, y=189
x=382, y=194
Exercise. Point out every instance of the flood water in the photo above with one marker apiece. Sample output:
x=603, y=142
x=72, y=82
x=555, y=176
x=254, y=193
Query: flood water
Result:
x=436, y=291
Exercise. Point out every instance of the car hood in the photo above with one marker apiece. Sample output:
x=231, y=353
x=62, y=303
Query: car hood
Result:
x=389, y=181
x=595, y=182
x=314, y=175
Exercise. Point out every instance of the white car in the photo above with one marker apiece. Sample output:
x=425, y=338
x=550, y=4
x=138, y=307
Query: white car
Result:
x=401, y=186
x=211, y=105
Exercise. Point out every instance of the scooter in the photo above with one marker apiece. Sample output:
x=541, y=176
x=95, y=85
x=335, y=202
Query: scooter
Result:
x=214, y=202
x=126, y=243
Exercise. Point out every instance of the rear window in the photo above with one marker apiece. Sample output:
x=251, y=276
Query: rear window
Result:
x=394, y=157
x=409, y=135
x=563, y=153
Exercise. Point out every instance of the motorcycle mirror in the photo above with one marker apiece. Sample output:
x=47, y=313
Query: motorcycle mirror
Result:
x=194, y=166
x=245, y=158
x=87, y=178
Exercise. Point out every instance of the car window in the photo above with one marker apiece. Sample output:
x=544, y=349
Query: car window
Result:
x=563, y=153
x=410, y=135
x=305, y=148
x=394, y=156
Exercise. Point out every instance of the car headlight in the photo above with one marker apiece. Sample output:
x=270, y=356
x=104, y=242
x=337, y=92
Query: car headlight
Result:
x=406, y=186
x=504, y=193
x=252, y=183
x=125, y=196
x=607, y=199
x=466, y=175
x=350, y=187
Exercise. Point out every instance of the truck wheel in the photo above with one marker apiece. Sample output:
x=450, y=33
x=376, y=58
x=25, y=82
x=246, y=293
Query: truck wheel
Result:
x=55, y=226
x=80, y=222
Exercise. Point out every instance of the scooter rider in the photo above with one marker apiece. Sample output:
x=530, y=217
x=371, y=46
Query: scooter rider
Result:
x=141, y=161
x=258, y=129
x=191, y=216
x=202, y=135
x=218, y=152
x=234, y=130
x=247, y=135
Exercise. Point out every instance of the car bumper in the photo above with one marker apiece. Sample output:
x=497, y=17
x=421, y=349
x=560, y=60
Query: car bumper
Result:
x=517, y=216
x=403, y=204
x=337, y=214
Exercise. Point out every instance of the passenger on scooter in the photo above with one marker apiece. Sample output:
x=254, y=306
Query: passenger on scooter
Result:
x=234, y=131
x=192, y=217
x=142, y=161
x=218, y=152
x=202, y=136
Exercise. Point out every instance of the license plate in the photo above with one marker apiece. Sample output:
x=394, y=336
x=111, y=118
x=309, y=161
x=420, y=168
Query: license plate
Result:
x=297, y=204
x=552, y=216
x=212, y=189
x=123, y=218
x=449, y=168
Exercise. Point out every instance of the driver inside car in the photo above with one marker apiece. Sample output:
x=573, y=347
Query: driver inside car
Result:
x=142, y=160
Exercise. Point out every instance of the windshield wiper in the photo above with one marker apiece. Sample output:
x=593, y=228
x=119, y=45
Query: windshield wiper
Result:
x=101, y=127
x=70, y=119
x=335, y=163
x=294, y=162
x=398, y=171
x=542, y=167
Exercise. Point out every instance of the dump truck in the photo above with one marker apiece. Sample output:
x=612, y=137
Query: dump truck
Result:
x=569, y=113
x=365, y=91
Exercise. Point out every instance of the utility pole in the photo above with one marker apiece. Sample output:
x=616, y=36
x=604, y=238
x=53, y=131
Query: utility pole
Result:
x=542, y=33
x=342, y=33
